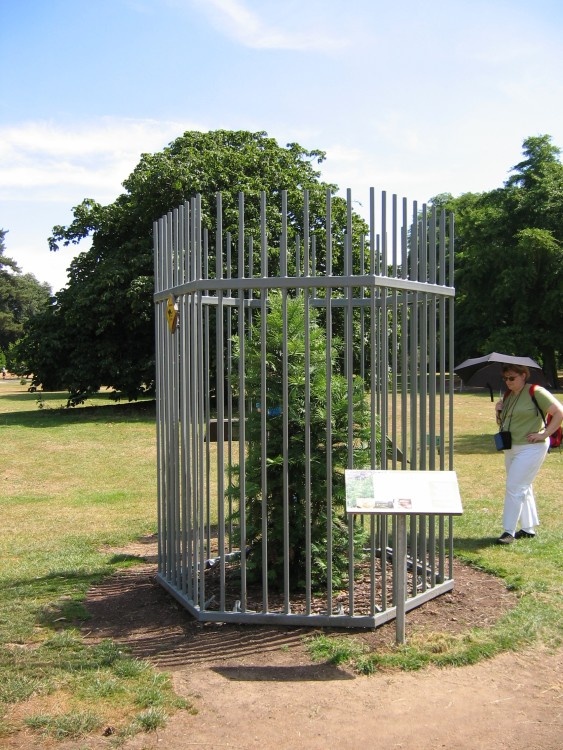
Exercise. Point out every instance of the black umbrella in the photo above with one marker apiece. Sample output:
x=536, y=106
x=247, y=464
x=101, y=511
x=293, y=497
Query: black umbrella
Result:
x=485, y=372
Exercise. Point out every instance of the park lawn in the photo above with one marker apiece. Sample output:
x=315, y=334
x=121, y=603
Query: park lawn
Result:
x=76, y=482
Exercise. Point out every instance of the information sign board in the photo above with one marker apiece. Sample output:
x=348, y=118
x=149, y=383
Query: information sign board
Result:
x=376, y=491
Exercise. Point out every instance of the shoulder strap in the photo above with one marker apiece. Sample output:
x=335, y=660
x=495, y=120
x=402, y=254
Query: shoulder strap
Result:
x=532, y=390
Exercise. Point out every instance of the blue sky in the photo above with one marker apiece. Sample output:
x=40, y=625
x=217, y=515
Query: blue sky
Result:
x=413, y=98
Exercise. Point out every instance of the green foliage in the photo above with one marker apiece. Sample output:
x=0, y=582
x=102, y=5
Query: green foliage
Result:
x=100, y=330
x=151, y=719
x=335, y=650
x=64, y=726
x=509, y=248
x=288, y=314
x=21, y=297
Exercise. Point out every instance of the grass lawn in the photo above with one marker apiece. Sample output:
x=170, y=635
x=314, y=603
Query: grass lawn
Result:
x=74, y=482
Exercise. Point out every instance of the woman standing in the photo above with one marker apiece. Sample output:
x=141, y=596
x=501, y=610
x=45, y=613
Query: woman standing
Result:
x=517, y=414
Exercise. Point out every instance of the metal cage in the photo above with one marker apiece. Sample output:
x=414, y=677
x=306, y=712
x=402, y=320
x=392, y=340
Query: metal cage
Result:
x=292, y=342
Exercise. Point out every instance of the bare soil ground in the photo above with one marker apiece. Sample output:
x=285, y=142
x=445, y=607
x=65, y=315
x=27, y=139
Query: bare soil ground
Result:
x=256, y=687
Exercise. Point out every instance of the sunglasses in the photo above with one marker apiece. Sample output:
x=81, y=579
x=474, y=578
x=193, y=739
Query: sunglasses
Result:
x=510, y=378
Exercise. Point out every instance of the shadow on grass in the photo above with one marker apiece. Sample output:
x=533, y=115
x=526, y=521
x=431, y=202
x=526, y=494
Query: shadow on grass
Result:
x=57, y=583
x=472, y=544
x=474, y=444
x=136, y=411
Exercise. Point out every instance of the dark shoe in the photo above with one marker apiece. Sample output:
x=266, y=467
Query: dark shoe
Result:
x=523, y=535
x=505, y=538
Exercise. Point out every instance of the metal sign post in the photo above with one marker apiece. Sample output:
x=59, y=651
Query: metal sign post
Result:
x=401, y=571
x=402, y=493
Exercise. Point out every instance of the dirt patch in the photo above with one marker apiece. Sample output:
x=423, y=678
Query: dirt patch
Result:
x=256, y=686
x=132, y=608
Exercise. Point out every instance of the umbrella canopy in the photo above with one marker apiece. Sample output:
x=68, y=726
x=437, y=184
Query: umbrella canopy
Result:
x=486, y=372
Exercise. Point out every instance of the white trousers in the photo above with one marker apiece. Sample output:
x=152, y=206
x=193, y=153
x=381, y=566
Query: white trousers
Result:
x=522, y=463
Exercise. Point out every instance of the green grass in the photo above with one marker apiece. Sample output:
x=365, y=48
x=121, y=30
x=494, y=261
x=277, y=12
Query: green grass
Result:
x=74, y=482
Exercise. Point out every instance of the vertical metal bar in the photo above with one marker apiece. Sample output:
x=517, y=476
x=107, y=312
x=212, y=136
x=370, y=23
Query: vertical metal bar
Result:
x=220, y=389
x=400, y=576
x=263, y=398
x=328, y=373
x=192, y=409
x=362, y=311
x=307, y=426
x=349, y=375
x=384, y=336
x=376, y=527
x=169, y=422
x=188, y=461
x=242, y=404
x=207, y=392
x=199, y=421
x=443, y=340
x=413, y=342
x=394, y=337
x=432, y=349
x=229, y=369
x=182, y=395
x=414, y=530
x=159, y=321
x=205, y=538
x=451, y=366
x=285, y=405
x=373, y=335
x=175, y=516
x=405, y=341
x=432, y=377
x=423, y=357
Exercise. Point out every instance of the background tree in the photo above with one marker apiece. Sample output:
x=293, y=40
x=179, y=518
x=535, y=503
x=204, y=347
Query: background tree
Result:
x=100, y=330
x=509, y=256
x=21, y=297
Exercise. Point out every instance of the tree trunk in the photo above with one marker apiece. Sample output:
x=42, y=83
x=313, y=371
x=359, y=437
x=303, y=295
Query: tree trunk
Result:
x=550, y=366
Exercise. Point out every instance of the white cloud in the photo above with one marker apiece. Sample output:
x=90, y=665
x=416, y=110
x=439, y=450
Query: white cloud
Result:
x=41, y=160
x=237, y=21
x=46, y=168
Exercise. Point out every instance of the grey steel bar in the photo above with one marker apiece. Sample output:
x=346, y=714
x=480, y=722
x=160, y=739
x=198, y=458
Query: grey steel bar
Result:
x=401, y=577
x=220, y=405
x=405, y=343
x=394, y=336
x=413, y=341
x=384, y=338
x=451, y=383
x=328, y=373
x=307, y=394
x=292, y=282
x=242, y=407
x=264, y=399
x=285, y=405
x=349, y=375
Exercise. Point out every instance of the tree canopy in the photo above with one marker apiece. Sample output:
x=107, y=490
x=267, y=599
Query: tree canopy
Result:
x=21, y=297
x=509, y=256
x=100, y=330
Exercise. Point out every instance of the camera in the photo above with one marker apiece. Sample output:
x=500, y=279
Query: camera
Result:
x=503, y=441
